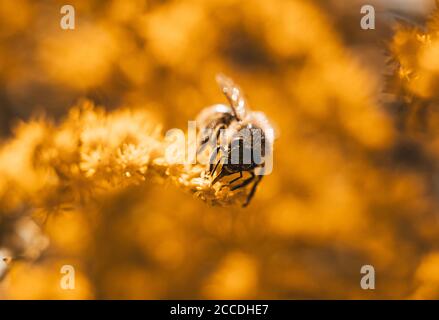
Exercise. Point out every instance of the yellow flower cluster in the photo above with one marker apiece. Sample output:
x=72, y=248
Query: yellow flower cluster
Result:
x=93, y=152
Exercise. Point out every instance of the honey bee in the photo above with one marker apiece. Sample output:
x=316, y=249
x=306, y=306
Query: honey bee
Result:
x=240, y=140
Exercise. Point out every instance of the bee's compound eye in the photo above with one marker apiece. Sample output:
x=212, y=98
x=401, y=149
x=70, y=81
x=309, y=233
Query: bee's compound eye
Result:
x=204, y=139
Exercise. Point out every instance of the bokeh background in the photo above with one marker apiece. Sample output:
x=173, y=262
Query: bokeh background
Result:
x=353, y=183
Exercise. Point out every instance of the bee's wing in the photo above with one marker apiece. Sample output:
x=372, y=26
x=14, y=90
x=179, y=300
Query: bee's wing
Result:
x=235, y=96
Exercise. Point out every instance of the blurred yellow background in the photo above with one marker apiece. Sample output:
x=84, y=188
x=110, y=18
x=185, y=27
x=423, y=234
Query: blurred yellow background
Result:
x=348, y=188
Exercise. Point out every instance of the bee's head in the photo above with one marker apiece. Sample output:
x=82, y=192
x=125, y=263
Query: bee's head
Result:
x=209, y=123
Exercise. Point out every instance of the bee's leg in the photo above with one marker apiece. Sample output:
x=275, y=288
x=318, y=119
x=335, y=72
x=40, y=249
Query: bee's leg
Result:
x=252, y=191
x=212, y=169
x=245, y=182
x=231, y=181
x=212, y=158
x=216, y=166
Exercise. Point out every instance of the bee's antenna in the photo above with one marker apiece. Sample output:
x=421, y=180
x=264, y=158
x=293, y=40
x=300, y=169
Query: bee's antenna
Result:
x=234, y=94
